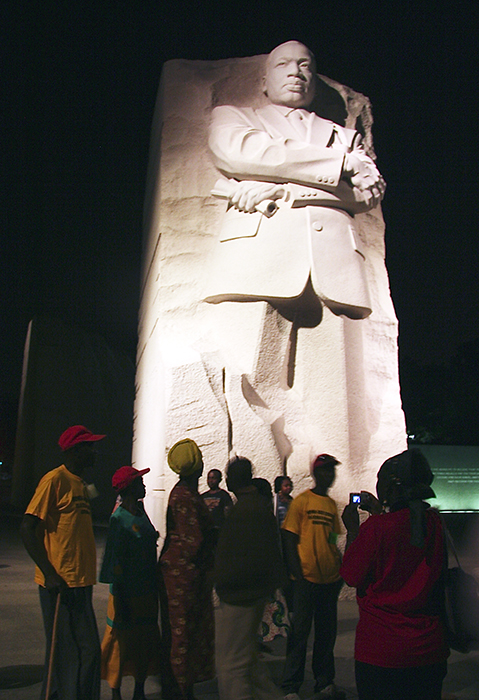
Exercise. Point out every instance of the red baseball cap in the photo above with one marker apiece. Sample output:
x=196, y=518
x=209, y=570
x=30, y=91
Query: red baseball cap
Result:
x=125, y=475
x=324, y=460
x=76, y=434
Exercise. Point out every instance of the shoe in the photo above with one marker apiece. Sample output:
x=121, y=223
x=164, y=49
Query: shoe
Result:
x=330, y=692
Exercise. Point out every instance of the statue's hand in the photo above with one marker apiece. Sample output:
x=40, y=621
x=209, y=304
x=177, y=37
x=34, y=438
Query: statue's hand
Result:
x=249, y=193
x=364, y=175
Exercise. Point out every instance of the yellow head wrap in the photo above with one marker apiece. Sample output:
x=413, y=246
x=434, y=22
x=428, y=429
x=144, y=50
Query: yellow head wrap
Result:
x=185, y=458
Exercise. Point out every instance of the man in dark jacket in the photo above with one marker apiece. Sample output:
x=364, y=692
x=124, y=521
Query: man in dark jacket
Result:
x=248, y=569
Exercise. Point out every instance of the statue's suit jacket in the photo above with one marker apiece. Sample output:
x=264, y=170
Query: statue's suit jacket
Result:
x=311, y=236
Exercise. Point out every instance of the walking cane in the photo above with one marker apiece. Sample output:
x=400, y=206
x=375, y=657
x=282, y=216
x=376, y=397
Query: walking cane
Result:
x=52, y=647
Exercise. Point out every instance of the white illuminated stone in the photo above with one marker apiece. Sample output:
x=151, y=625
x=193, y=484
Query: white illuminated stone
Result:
x=235, y=366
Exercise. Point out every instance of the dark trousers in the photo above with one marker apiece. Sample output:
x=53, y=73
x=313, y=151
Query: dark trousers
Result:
x=76, y=671
x=413, y=683
x=318, y=602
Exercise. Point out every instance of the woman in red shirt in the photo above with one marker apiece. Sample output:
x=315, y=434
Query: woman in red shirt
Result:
x=395, y=561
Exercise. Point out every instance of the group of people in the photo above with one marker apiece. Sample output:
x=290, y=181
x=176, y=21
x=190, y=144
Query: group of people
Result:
x=247, y=552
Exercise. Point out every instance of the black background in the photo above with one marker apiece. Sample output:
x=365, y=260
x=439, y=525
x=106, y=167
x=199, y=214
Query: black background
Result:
x=79, y=87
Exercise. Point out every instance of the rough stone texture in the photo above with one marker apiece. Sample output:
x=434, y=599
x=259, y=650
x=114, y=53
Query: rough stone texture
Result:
x=218, y=373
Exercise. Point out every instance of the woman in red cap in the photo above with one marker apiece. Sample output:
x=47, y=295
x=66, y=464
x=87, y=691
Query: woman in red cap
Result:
x=131, y=644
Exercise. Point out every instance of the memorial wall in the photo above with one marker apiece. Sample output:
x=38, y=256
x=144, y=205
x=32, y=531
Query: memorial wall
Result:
x=456, y=477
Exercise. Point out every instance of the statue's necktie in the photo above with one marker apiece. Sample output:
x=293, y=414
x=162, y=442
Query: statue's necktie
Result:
x=299, y=118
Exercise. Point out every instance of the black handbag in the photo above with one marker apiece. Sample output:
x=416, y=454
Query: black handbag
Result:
x=461, y=604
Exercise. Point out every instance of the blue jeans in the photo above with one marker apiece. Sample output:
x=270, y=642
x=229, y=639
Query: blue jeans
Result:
x=318, y=602
x=76, y=669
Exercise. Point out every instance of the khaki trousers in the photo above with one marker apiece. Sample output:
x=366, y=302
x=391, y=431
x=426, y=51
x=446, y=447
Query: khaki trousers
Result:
x=240, y=676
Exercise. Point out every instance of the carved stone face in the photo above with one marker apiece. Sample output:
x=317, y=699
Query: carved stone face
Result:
x=289, y=78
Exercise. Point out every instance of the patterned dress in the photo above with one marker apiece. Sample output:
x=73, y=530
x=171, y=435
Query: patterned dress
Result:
x=276, y=620
x=185, y=569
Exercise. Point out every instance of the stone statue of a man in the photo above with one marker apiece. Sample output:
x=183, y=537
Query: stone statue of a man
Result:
x=276, y=366
x=295, y=182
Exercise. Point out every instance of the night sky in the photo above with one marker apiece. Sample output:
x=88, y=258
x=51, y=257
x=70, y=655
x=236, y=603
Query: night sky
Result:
x=78, y=93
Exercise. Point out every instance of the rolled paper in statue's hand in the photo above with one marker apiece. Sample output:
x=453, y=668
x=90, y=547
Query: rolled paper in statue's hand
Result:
x=226, y=189
x=268, y=207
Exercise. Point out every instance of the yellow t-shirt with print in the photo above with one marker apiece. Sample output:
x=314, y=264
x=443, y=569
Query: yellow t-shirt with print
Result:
x=315, y=520
x=61, y=502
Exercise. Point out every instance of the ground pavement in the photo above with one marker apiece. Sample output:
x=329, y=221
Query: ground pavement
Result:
x=22, y=638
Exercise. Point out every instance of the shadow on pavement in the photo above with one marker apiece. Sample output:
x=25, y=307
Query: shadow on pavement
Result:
x=20, y=676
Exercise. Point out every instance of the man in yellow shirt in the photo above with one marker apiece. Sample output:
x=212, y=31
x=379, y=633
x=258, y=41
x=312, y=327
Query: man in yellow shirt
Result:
x=57, y=532
x=309, y=532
